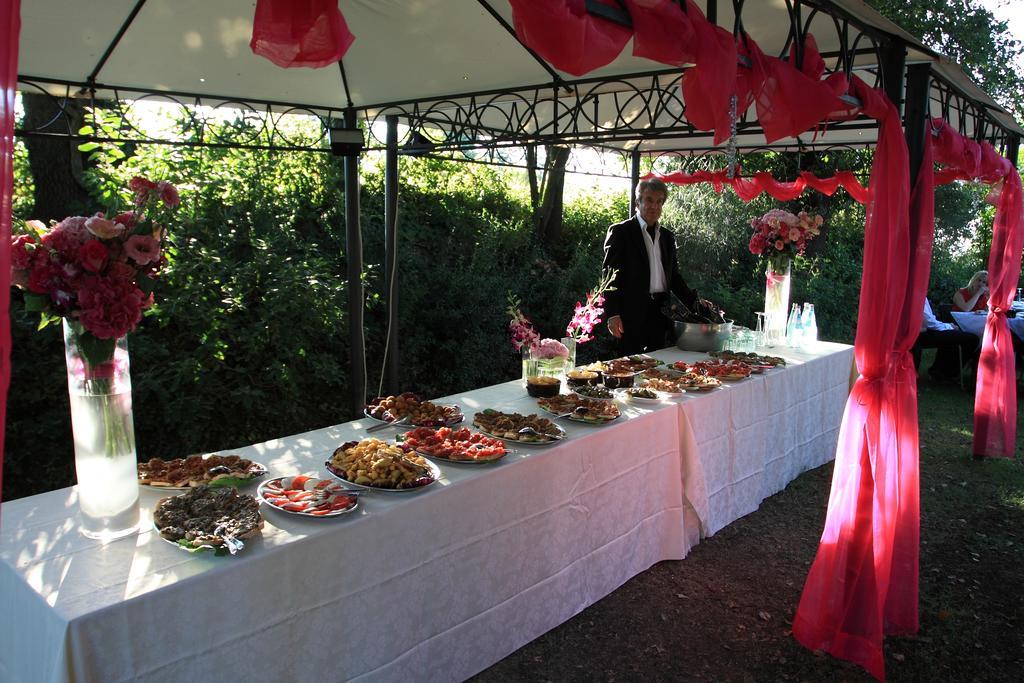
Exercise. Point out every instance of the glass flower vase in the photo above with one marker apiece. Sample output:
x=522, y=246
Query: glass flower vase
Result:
x=776, y=300
x=100, y=390
x=570, y=344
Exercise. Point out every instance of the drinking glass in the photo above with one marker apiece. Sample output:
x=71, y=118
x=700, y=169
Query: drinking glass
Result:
x=759, y=332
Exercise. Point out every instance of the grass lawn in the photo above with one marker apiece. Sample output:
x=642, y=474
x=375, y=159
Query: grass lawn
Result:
x=725, y=612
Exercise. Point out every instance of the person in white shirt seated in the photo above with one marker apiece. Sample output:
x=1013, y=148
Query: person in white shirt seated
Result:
x=946, y=337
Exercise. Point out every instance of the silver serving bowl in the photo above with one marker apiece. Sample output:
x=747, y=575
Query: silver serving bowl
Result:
x=702, y=336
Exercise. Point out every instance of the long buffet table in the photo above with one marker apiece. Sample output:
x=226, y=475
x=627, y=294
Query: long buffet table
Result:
x=432, y=585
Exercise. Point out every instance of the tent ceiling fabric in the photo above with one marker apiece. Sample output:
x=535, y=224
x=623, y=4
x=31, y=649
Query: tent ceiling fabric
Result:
x=417, y=51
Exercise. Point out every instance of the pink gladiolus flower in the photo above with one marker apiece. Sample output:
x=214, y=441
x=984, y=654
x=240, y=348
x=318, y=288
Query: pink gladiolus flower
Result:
x=142, y=249
x=104, y=228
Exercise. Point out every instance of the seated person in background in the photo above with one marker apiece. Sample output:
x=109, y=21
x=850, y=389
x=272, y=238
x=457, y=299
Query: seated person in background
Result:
x=946, y=337
x=973, y=297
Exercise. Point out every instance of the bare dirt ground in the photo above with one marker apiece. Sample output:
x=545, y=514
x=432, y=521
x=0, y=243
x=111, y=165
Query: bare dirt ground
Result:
x=724, y=613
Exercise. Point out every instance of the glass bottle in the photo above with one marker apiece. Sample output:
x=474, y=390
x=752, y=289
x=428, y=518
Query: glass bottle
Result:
x=810, y=326
x=793, y=326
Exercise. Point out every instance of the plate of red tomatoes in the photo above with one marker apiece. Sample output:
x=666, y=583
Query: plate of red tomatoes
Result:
x=455, y=445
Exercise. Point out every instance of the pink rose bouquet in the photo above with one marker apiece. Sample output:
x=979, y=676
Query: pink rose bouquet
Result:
x=780, y=235
x=98, y=272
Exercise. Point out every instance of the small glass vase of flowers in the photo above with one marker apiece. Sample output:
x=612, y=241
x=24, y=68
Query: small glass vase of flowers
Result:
x=545, y=361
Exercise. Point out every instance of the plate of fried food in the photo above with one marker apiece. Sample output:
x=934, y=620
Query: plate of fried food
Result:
x=409, y=408
x=529, y=430
x=455, y=445
x=199, y=470
x=205, y=518
x=579, y=409
x=376, y=465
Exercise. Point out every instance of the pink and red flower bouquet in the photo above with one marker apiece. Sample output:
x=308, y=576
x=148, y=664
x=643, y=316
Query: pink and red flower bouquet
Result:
x=96, y=271
x=780, y=236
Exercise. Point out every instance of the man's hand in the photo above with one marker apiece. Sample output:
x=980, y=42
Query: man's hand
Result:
x=615, y=326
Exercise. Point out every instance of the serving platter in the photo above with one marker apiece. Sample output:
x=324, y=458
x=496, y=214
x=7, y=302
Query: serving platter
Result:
x=307, y=496
x=223, y=518
x=510, y=425
x=211, y=469
x=381, y=459
x=569, y=406
x=458, y=446
x=408, y=407
x=627, y=396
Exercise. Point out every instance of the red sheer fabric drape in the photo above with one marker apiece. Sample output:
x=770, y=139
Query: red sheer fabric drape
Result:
x=794, y=100
x=863, y=583
x=566, y=35
x=749, y=188
x=311, y=33
x=662, y=31
x=10, y=26
x=708, y=86
x=995, y=397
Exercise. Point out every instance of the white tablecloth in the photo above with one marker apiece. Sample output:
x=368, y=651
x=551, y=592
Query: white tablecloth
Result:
x=974, y=322
x=433, y=585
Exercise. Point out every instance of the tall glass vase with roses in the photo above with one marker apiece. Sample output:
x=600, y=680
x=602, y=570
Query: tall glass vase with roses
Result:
x=545, y=361
x=780, y=236
x=96, y=274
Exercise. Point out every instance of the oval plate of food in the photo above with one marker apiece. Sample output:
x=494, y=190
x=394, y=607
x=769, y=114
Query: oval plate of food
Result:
x=205, y=518
x=643, y=395
x=212, y=470
x=528, y=430
x=307, y=496
x=376, y=465
x=455, y=445
x=413, y=410
x=579, y=409
x=596, y=392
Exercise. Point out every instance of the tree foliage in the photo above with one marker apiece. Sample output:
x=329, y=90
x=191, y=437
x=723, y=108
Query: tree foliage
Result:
x=971, y=36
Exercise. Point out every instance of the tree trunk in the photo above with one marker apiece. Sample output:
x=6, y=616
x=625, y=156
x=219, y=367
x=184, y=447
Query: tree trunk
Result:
x=549, y=224
x=55, y=162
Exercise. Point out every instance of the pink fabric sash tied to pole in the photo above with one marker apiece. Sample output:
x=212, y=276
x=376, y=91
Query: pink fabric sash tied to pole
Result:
x=995, y=396
x=863, y=583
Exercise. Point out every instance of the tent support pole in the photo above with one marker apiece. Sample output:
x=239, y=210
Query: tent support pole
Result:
x=391, y=254
x=915, y=115
x=354, y=256
x=634, y=179
x=1013, y=148
x=893, y=62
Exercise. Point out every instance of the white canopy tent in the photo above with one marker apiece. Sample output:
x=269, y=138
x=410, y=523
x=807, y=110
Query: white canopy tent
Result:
x=435, y=55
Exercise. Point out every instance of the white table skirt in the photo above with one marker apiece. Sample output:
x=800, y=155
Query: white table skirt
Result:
x=432, y=585
x=974, y=322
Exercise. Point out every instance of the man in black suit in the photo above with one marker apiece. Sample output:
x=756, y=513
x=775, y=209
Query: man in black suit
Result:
x=644, y=253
